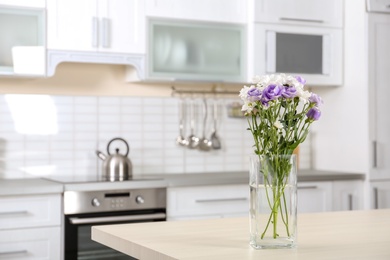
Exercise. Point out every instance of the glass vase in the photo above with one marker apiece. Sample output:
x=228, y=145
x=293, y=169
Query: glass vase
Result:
x=273, y=201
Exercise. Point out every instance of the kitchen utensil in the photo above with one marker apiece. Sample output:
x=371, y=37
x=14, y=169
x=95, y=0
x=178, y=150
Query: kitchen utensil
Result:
x=181, y=140
x=116, y=167
x=204, y=143
x=193, y=141
x=215, y=141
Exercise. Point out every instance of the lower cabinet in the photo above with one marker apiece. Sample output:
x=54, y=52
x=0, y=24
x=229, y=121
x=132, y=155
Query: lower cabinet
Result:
x=380, y=194
x=30, y=243
x=215, y=201
x=218, y=201
x=30, y=227
x=314, y=197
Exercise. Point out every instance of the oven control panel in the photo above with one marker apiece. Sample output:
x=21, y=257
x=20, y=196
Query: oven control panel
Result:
x=105, y=201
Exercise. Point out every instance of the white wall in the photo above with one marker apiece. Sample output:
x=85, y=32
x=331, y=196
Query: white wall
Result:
x=341, y=136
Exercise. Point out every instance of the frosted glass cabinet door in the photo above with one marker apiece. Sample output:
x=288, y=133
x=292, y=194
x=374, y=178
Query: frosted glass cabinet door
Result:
x=196, y=51
x=24, y=29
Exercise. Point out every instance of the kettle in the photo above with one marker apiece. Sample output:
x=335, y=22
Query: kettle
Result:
x=116, y=167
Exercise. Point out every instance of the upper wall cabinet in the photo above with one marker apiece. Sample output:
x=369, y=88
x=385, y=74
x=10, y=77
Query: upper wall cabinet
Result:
x=102, y=28
x=22, y=44
x=327, y=13
x=24, y=3
x=231, y=11
x=180, y=50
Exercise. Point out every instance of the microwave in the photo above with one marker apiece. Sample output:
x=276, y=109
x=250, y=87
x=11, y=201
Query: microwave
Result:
x=314, y=53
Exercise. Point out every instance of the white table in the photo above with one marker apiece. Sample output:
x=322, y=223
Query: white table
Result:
x=332, y=235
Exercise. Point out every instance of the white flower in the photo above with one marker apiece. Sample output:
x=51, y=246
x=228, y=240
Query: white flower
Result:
x=244, y=93
x=247, y=107
x=278, y=124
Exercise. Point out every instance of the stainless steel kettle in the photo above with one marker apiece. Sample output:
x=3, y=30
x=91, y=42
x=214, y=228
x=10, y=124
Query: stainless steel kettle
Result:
x=116, y=167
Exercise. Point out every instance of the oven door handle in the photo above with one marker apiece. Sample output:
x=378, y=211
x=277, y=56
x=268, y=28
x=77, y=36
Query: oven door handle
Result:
x=79, y=221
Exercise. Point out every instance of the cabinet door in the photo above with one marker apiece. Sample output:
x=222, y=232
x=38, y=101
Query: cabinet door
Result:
x=380, y=195
x=24, y=3
x=196, y=51
x=347, y=195
x=34, y=244
x=232, y=11
x=207, y=201
x=314, y=197
x=72, y=25
x=122, y=26
x=315, y=12
x=379, y=67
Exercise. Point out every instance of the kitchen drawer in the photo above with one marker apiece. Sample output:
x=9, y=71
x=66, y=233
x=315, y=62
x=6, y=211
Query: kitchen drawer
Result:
x=31, y=243
x=30, y=211
x=218, y=200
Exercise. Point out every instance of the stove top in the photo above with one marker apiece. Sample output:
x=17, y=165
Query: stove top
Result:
x=69, y=179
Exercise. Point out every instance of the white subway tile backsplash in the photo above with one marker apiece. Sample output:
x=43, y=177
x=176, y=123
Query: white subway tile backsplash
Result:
x=150, y=125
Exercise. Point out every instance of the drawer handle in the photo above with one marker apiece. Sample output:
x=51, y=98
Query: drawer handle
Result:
x=11, y=253
x=220, y=200
x=307, y=187
x=300, y=20
x=22, y=212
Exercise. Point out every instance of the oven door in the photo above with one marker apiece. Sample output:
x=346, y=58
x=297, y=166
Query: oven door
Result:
x=78, y=243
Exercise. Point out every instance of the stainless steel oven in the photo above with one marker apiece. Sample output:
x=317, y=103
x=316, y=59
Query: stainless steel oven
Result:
x=84, y=209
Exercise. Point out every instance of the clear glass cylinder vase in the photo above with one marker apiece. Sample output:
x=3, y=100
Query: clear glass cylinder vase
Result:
x=273, y=201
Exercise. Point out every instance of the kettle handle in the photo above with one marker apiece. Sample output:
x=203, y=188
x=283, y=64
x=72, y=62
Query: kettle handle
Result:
x=120, y=139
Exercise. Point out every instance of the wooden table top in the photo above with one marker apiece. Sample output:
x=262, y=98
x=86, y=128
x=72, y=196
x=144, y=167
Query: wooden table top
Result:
x=331, y=235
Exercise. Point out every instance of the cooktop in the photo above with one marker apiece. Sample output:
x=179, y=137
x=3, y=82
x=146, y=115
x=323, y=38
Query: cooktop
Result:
x=94, y=178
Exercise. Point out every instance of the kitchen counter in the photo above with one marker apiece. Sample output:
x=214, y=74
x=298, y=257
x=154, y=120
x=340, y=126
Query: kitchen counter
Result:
x=9, y=187
x=333, y=235
x=217, y=178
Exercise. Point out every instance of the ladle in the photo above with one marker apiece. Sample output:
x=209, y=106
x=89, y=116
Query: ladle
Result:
x=181, y=140
x=215, y=142
x=192, y=140
x=204, y=143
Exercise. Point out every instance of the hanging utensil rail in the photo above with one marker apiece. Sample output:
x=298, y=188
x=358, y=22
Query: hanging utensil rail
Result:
x=213, y=92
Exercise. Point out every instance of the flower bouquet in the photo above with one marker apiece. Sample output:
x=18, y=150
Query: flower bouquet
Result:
x=279, y=112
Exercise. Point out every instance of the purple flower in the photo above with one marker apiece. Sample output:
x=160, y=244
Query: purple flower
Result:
x=271, y=92
x=289, y=92
x=317, y=100
x=301, y=80
x=254, y=94
x=313, y=114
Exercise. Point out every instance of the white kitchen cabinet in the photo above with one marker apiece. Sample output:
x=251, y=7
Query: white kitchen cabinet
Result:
x=30, y=227
x=213, y=201
x=308, y=12
x=381, y=6
x=348, y=195
x=380, y=194
x=197, y=51
x=314, y=196
x=31, y=243
x=24, y=3
x=22, y=45
x=231, y=11
x=102, y=25
x=379, y=67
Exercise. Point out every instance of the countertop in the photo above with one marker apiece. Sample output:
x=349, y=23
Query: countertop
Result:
x=331, y=235
x=41, y=186
x=215, y=178
x=9, y=187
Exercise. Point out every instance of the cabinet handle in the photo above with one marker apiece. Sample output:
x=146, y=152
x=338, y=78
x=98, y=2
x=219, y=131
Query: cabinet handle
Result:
x=375, y=154
x=13, y=253
x=22, y=212
x=307, y=187
x=221, y=200
x=350, y=201
x=300, y=20
x=95, y=29
x=105, y=33
x=376, y=197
